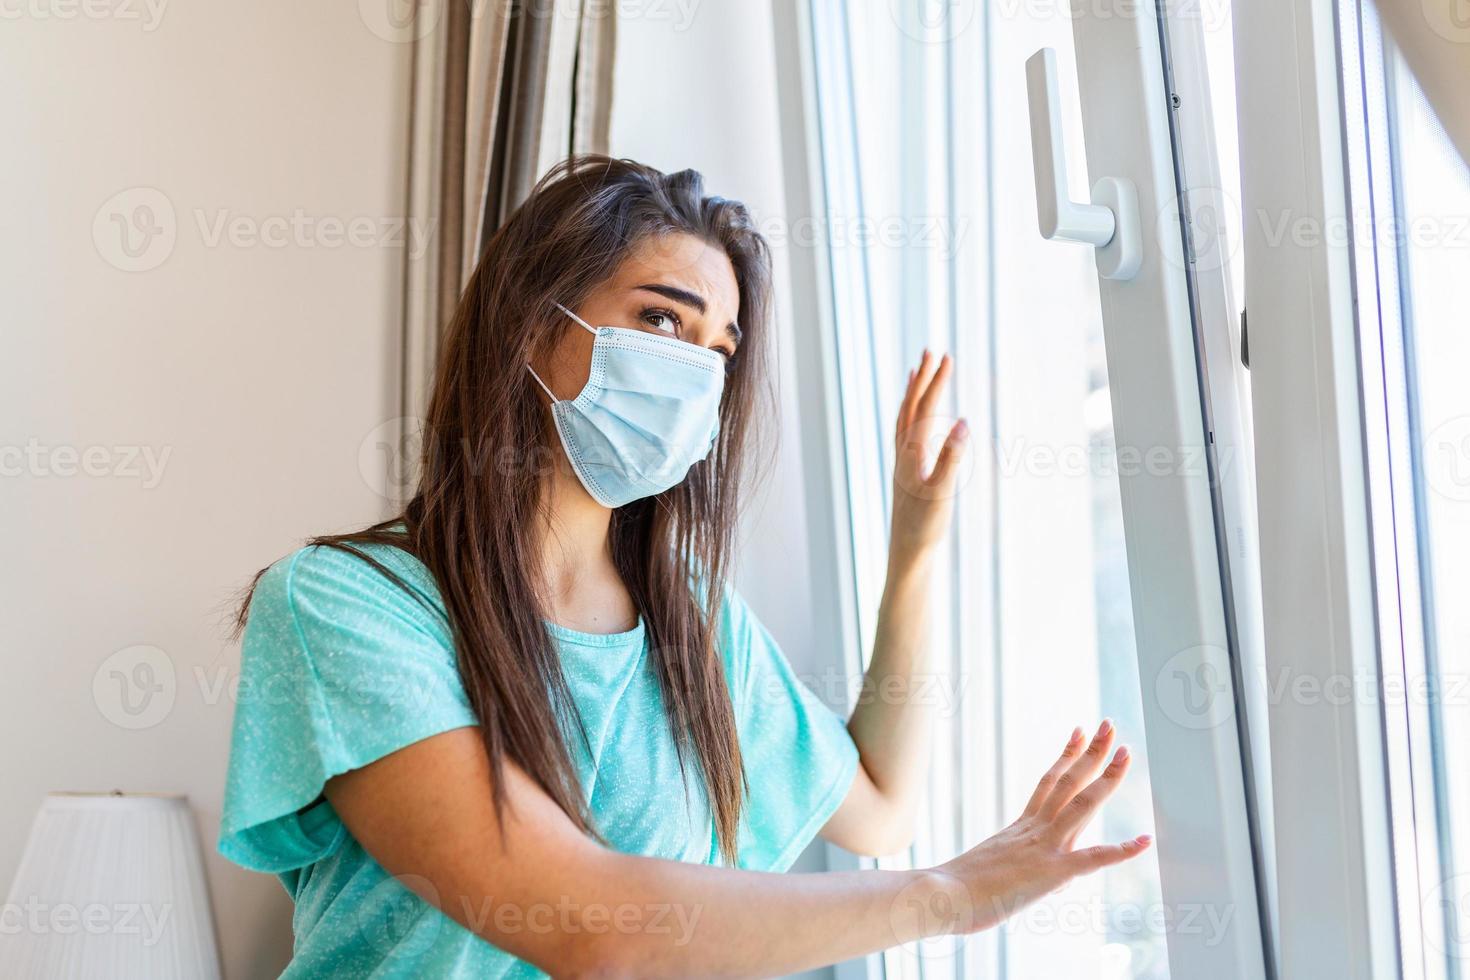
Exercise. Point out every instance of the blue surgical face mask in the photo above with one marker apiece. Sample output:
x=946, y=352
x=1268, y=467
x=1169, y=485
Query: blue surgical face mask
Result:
x=650, y=411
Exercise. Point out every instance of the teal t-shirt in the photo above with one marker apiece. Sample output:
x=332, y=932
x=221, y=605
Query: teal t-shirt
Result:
x=339, y=667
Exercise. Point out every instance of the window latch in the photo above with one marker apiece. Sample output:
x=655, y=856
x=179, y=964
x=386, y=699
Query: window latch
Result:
x=1109, y=222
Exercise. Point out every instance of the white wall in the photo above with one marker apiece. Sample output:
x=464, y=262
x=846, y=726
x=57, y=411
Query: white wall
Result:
x=253, y=373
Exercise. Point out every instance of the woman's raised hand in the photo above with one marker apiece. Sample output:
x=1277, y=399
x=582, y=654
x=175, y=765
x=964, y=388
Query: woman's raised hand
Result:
x=1034, y=856
x=930, y=449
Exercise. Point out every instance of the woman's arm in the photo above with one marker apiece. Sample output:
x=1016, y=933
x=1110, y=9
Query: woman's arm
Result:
x=901, y=691
x=537, y=888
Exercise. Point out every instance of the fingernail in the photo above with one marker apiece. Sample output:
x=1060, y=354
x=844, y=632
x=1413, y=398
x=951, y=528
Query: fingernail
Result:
x=1144, y=840
x=1121, y=755
x=1076, y=736
x=961, y=429
x=1105, y=727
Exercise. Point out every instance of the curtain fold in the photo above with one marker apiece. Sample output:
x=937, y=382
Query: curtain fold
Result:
x=1434, y=36
x=501, y=91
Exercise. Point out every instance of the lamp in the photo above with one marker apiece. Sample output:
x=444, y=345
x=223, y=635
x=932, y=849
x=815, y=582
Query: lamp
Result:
x=109, y=885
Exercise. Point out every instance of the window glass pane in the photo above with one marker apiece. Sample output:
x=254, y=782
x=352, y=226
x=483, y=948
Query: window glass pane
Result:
x=1217, y=18
x=1064, y=607
x=931, y=234
x=1435, y=235
x=1410, y=196
x=886, y=150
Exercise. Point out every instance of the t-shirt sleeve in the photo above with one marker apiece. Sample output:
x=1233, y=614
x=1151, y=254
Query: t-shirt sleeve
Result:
x=339, y=666
x=799, y=758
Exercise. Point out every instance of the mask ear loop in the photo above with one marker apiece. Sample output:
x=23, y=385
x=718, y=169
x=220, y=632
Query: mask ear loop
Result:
x=584, y=325
x=549, y=393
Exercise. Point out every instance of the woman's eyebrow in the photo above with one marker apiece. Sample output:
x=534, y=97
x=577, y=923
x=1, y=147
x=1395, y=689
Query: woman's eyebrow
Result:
x=677, y=295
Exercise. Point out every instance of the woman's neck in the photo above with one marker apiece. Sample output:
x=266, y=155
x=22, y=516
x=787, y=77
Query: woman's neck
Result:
x=581, y=587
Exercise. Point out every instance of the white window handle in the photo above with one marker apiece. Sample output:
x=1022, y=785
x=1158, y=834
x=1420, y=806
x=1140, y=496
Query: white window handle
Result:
x=1110, y=221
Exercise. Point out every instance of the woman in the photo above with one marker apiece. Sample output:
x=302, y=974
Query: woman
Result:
x=528, y=726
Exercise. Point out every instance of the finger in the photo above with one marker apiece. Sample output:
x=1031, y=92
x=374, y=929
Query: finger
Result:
x=918, y=378
x=906, y=406
x=1084, y=806
x=925, y=370
x=1091, y=859
x=950, y=454
x=934, y=389
x=923, y=377
x=1081, y=772
x=1043, y=788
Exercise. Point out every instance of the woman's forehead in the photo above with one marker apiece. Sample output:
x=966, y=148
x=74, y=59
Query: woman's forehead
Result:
x=689, y=263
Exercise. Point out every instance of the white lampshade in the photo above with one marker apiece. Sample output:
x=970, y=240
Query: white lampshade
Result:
x=110, y=885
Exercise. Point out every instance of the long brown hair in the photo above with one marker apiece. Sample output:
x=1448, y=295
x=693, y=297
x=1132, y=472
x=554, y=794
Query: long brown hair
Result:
x=475, y=517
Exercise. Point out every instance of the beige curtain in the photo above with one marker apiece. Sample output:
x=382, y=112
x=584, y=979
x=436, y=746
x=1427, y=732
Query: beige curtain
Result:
x=1434, y=36
x=502, y=90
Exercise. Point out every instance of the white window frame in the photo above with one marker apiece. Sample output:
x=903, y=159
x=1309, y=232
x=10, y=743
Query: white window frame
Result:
x=1335, y=885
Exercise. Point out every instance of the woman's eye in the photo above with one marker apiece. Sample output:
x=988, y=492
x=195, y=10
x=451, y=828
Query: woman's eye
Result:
x=662, y=321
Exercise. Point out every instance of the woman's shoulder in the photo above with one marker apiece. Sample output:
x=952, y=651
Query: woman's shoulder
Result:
x=345, y=582
x=740, y=636
x=340, y=665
